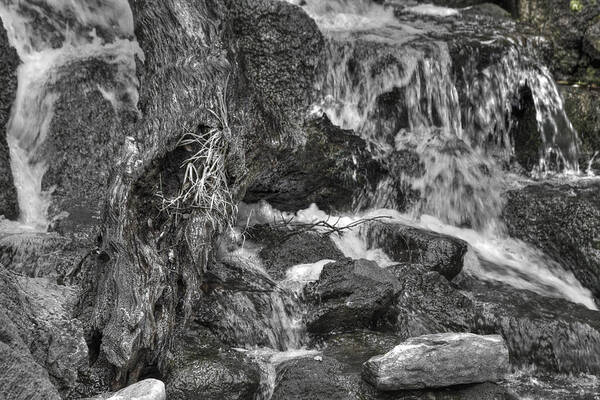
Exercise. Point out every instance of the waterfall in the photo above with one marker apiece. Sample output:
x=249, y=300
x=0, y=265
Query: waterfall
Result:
x=410, y=82
x=50, y=36
x=397, y=83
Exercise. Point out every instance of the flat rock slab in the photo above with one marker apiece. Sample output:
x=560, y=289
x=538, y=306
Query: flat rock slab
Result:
x=439, y=360
x=148, y=389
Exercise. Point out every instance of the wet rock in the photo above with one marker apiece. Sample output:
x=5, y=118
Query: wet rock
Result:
x=200, y=363
x=278, y=50
x=402, y=243
x=565, y=26
x=84, y=141
x=552, y=334
x=524, y=132
x=42, y=254
x=562, y=220
x=331, y=169
x=308, y=378
x=582, y=105
x=351, y=294
x=21, y=376
x=9, y=61
x=57, y=339
x=439, y=360
x=283, y=248
x=352, y=349
x=488, y=10
x=506, y=6
x=428, y=303
x=591, y=42
x=243, y=306
x=148, y=389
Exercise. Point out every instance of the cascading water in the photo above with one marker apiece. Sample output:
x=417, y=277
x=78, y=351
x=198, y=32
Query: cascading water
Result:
x=49, y=36
x=393, y=76
x=396, y=84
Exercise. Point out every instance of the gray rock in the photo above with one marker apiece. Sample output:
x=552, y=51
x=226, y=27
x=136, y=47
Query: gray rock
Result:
x=591, y=43
x=278, y=48
x=307, y=378
x=402, y=243
x=565, y=27
x=44, y=338
x=349, y=295
x=562, y=220
x=9, y=61
x=243, y=306
x=428, y=303
x=283, y=248
x=332, y=169
x=439, y=360
x=200, y=363
x=582, y=105
x=148, y=389
x=21, y=377
x=555, y=335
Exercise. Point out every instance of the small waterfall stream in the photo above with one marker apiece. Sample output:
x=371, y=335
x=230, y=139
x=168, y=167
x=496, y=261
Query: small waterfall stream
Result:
x=49, y=35
x=391, y=76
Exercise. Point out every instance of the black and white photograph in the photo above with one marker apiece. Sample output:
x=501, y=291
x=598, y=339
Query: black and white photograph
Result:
x=299, y=199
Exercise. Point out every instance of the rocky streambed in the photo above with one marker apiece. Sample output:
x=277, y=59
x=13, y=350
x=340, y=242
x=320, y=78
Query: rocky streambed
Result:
x=258, y=199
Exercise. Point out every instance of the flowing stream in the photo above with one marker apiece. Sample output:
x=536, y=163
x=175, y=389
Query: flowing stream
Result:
x=49, y=35
x=391, y=76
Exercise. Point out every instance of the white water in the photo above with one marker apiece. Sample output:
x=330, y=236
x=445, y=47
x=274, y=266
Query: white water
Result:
x=432, y=10
x=457, y=137
x=490, y=256
x=50, y=35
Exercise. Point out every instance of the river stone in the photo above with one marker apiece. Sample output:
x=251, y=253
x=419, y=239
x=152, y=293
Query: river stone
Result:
x=403, y=243
x=148, y=389
x=562, y=220
x=200, y=363
x=553, y=334
x=243, y=306
x=591, y=44
x=439, y=360
x=428, y=303
x=582, y=105
x=307, y=378
x=9, y=61
x=284, y=247
x=331, y=169
x=349, y=295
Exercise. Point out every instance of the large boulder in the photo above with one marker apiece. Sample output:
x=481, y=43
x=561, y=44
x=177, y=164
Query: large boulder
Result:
x=148, y=389
x=21, y=375
x=47, y=344
x=569, y=25
x=283, y=247
x=552, y=334
x=582, y=105
x=332, y=169
x=562, y=220
x=349, y=295
x=428, y=303
x=9, y=61
x=243, y=306
x=201, y=363
x=306, y=378
x=406, y=244
x=277, y=48
x=439, y=360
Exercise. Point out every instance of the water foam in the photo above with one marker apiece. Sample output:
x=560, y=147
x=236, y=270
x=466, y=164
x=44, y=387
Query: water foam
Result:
x=491, y=256
x=49, y=36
